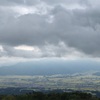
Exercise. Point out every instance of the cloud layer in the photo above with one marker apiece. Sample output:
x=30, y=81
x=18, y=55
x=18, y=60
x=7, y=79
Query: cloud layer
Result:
x=54, y=28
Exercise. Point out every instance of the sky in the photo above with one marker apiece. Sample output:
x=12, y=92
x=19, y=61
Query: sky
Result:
x=48, y=29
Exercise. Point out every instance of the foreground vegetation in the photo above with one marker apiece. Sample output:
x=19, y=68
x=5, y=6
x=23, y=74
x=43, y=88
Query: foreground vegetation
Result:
x=50, y=96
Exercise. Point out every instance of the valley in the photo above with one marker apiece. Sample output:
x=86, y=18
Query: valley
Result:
x=77, y=82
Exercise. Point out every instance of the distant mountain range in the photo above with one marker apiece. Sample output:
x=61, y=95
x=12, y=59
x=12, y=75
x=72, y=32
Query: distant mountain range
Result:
x=50, y=67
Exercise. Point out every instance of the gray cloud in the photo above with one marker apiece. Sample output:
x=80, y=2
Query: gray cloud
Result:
x=77, y=28
x=49, y=50
x=93, y=3
x=18, y=2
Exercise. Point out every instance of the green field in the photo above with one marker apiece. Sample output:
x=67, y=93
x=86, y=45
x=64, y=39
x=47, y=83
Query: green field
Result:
x=77, y=82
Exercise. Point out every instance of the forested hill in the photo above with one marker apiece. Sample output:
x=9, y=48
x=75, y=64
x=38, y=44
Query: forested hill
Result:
x=51, y=96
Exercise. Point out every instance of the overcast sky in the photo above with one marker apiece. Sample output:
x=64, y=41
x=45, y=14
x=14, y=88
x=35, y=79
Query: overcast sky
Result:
x=34, y=29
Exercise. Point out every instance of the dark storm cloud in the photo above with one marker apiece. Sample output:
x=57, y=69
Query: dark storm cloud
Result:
x=27, y=29
x=77, y=28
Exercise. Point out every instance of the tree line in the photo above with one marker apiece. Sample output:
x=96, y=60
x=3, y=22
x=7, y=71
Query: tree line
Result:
x=50, y=96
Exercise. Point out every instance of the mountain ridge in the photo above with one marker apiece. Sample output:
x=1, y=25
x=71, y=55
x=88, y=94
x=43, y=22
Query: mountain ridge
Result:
x=49, y=68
